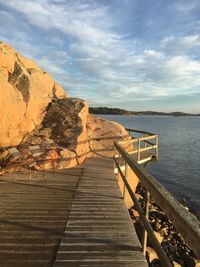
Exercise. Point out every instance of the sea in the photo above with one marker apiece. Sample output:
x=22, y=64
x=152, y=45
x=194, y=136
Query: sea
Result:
x=178, y=166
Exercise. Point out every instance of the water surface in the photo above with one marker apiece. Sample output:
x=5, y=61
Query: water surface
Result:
x=178, y=168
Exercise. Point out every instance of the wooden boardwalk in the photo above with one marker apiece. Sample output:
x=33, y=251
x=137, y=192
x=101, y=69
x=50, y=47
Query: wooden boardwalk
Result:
x=75, y=217
x=99, y=231
x=33, y=216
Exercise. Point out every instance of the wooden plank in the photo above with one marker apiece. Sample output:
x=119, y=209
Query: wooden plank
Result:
x=101, y=264
x=82, y=207
x=33, y=216
x=99, y=230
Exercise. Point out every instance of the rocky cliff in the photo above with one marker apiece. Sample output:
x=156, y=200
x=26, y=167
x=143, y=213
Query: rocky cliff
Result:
x=44, y=125
x=25, y=92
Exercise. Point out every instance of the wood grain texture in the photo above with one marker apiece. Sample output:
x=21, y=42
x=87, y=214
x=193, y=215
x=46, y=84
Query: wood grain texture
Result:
x=73, y=217
x=99, y=231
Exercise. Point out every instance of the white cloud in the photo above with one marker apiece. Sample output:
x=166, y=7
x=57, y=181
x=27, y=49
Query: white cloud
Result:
x=75, y=19
x=163, y=76
x=83, y=50
x=181, y=44
x=124, y=90
x=153, y=54
x=95, y=47
x=47, y=65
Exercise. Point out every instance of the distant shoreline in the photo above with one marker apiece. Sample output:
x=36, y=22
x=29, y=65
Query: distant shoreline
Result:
x=118, y=111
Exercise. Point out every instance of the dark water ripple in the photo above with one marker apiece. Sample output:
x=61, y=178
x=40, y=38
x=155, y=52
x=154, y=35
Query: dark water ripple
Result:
x=178, y=168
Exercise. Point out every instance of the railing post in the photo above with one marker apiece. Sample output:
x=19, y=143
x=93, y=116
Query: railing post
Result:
x=118, y=174
x=114, y=165
x=145, y=236
x=138, y=159
x=30, y=173
x=145, y=143
x=156, y=149
x=126, y=173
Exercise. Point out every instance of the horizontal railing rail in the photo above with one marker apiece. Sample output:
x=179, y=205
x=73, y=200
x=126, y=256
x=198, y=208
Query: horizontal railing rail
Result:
x=147, y=142
x=139, y=131
x=185, y=223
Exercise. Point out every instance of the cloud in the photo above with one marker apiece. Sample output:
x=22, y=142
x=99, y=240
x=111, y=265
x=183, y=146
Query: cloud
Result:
x=87, y=27
x=153, y=54
x=75, y=19
x=187, y=6
x=158, y=76
x=97, y=52
x=181, y=44
x=98, y=69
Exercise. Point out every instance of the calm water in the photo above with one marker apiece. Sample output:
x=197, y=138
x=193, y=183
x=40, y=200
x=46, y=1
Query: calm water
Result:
x=178, y=168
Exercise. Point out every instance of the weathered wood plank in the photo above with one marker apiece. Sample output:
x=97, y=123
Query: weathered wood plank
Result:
x=83, y=209
x=99, y=231
x=33, y=216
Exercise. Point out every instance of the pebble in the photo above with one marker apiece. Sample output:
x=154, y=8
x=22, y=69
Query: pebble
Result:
x=151, y=254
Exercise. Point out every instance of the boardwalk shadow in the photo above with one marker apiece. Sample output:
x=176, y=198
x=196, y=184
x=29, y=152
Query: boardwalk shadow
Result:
x=56, y=188
x=61, y=235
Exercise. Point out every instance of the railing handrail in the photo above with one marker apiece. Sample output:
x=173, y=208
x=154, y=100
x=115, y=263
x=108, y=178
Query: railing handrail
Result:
x=186, y=223
x=139, y=131
x=141, y=138
x=161, y=254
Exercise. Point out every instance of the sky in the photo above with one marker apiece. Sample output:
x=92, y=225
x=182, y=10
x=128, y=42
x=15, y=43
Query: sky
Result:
x=132, y=54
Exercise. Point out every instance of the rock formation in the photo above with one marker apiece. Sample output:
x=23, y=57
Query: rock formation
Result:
x=63, y=129
x=102, y=134
x=37, y=115
x=25, y=92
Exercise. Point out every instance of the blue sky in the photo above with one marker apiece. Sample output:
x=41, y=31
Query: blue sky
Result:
x=133, y=54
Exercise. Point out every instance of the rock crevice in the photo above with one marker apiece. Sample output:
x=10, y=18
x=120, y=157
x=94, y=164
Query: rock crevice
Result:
x=20, y=81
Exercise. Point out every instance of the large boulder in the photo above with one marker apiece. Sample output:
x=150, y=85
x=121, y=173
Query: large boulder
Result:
x=25, y=90
x=63, y=125
x=102, y=134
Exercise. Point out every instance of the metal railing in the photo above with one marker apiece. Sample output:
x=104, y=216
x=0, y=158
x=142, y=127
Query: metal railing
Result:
x=185, y=223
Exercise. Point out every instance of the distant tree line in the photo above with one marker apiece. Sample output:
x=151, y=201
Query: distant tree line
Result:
x=110, y=111
x=119, y=111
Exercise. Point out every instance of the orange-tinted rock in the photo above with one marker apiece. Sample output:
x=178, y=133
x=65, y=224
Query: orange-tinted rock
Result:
x=134, y=213
x=82, y=147
x=158, y=236
x=176, y=264
x=64, y=128
x=151, y=254
x=102, y=134
x=68, y=159
x=25, y=92
x=64, y=124
x=35, y=112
